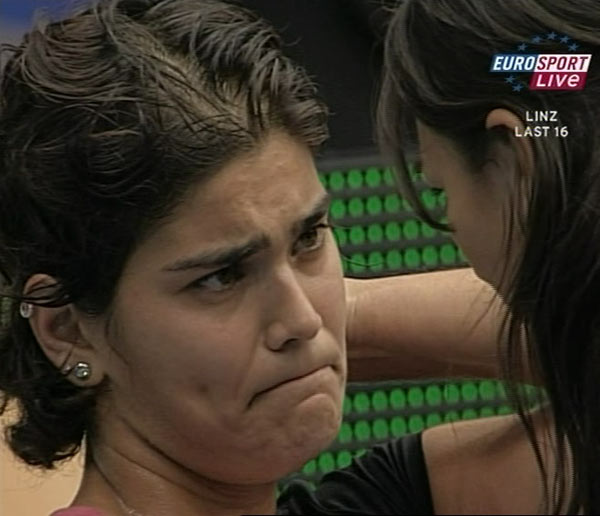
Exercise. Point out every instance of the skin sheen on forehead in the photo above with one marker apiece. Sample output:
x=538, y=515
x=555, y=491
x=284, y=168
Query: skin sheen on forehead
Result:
x=266, y=191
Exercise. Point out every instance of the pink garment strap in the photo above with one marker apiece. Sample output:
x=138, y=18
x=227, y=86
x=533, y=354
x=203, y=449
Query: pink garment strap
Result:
x=78, y=511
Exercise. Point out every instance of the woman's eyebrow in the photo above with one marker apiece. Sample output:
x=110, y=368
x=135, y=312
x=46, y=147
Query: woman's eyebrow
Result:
x=221, y=256
x=227, y=255
x=318, y=212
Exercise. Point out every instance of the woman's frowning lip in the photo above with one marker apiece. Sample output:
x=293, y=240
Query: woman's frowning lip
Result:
x=313, y=376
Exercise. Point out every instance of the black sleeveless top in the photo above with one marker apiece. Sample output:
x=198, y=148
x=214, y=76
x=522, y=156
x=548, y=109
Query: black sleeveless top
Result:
x=390, y=479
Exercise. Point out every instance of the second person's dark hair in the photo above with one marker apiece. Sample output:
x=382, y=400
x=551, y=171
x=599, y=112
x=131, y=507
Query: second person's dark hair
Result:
x=437, y=70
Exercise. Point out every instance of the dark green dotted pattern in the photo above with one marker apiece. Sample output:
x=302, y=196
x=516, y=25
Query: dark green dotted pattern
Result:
x=378, y=232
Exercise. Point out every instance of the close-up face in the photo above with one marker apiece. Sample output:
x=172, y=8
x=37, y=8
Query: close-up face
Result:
x=226, y=345
x=478, y=203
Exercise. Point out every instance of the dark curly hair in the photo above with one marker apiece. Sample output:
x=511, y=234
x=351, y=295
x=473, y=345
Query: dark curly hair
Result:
x=106, y=119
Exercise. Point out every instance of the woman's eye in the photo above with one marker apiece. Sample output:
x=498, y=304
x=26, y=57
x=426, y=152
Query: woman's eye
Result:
x=312, y=239
x=219, y=281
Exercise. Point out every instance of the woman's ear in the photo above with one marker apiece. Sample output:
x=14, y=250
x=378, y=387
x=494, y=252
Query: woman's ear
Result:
x=507, y=120
x=60, y=336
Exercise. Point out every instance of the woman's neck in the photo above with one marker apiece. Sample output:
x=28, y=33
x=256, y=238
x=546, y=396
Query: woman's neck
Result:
x=121, y=485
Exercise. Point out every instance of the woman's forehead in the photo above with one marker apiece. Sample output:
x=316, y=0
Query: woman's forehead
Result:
x=263, y=193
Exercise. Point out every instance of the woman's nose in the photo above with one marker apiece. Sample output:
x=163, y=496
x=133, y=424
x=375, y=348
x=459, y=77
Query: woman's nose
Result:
x=293, y=316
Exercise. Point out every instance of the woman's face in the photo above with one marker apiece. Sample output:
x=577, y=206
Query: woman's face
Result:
x=478, y=204
x=225, y=351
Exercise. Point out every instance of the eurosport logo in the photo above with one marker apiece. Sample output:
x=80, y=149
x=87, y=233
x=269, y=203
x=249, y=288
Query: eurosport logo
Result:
x=556, y=71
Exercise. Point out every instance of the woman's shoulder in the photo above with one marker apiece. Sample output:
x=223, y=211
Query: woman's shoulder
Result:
x=79, y=510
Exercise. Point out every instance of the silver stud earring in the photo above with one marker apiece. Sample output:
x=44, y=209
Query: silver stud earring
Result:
x=25, y=309
x=82, y=370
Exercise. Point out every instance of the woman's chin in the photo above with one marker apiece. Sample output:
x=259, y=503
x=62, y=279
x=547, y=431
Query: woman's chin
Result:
x=307, y=433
